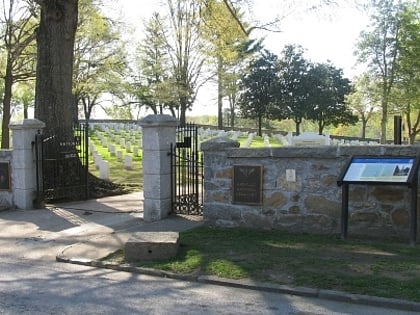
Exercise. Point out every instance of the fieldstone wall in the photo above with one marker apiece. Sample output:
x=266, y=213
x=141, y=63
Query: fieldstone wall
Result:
x=312, y=202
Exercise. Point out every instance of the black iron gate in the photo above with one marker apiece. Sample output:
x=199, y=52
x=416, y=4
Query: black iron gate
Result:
x=187, y=172
x=62, y=165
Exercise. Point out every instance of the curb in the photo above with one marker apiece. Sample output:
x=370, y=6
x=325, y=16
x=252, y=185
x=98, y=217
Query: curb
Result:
x=332, y=295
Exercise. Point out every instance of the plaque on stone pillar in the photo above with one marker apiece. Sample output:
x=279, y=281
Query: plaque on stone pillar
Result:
x=247, y=184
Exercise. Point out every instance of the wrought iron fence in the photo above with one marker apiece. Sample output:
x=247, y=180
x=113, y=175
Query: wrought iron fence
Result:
x=62, y=165
x=187, y=172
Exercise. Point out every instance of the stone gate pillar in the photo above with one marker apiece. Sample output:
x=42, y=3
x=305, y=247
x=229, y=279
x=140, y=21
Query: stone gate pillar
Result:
x=24, y=161
x=159, y=132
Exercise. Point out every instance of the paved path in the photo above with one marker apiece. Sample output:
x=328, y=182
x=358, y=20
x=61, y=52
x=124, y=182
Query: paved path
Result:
x=32, y=282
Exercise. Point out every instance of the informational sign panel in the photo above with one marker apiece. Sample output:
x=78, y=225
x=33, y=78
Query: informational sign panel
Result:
x=247, y=184
x=379, y=169
x=373, y=170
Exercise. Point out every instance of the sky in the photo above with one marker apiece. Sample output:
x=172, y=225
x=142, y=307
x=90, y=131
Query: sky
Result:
x=328, y=35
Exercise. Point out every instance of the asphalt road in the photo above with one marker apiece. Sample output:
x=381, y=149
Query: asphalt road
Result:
x=39, y=287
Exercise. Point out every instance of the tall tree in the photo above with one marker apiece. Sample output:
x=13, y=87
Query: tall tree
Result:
x=364, y=99
x=54, y=99
x=379, y=47
x=186, y=58
x=257, y=88
x=18, y=42
x=292, y=90
x=155, y=84
x=99, y=59
x=326, y=99
x=225, y=38
x=230, y=76
x=406, y=94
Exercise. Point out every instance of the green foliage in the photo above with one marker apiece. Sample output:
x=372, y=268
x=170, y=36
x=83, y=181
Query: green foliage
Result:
x=203, y=120
x=406, y=94
x=156, y=86
x=119, y=112
x=379, y=48
x=18, y=25
x=99, y=59
x=257, y=87
x=364, y=99
x=294, y=89
x=291, y=87
x=390, y=47
x=326, y=97
x=228, y=47
x=222, y=32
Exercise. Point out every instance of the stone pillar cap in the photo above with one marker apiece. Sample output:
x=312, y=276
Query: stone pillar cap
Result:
x=158, y=120
x=26, y=124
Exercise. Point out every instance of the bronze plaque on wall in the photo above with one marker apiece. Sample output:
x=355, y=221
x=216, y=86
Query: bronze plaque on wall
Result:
x=247, y=184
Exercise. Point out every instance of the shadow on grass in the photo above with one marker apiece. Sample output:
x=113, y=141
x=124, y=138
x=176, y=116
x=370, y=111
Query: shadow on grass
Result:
x=387, y=269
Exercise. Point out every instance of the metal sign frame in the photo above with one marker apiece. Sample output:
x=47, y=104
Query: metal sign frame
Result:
x=380, y=170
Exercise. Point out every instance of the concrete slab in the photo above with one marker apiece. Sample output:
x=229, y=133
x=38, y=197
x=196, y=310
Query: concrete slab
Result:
x=132, y=202
x=151, y=246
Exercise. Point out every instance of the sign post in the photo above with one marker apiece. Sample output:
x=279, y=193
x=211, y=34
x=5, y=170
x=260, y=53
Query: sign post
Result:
x=344, y=210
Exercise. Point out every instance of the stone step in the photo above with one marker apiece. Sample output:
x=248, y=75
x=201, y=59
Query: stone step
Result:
x=151, y=246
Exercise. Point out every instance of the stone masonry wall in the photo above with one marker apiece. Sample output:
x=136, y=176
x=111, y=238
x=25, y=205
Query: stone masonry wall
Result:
x=311, y=203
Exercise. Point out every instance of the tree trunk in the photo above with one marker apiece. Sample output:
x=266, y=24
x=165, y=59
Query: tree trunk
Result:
x=182, y=117
x=25, y=112
x=364, y=123
x=384, y=119
x=219, y=93
x=7, y=99
x=297, y=125
x=412, y=128
x=320, y=128
x=173, y=113
x=232, y=117
x=54, y=100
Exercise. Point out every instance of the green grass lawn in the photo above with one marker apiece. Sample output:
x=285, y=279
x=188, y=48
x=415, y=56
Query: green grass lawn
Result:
x=258, y=142
x=378, y=268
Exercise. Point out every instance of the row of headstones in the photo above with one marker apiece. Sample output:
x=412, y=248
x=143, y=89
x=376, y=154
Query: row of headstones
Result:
x=116, y=127
x=304, y=139
x=120, y=131
x=103, y=165
x=313, y=139
x=117, y=136
x=108, y=141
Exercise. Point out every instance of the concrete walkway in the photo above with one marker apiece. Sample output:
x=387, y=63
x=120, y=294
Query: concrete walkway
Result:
x=125, y=217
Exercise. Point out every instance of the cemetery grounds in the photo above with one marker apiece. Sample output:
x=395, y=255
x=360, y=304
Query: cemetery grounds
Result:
x=385, y=268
